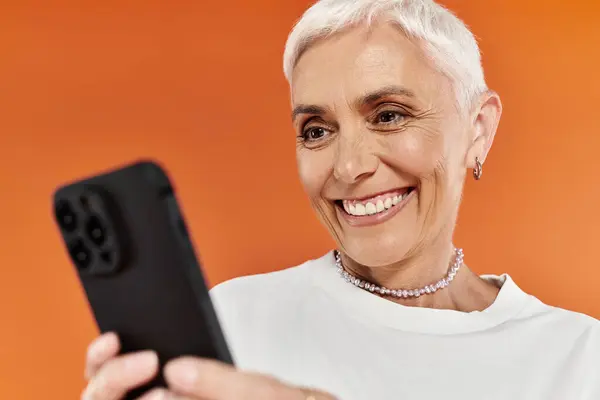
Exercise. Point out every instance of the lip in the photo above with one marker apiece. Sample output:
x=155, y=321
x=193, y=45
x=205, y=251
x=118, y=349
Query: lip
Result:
x=369, y=220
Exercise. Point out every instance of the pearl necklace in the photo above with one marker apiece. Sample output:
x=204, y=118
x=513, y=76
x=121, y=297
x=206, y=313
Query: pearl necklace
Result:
x=401, y=293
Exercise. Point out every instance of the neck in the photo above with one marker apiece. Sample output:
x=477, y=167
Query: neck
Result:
x=467, y=292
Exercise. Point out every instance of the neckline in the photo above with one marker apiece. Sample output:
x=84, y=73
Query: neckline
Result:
x=377, y=310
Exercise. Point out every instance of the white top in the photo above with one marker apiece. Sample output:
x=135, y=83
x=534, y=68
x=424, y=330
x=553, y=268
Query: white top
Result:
x=307, y=326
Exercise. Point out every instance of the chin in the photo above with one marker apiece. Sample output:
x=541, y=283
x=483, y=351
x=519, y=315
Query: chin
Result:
x=378, y=251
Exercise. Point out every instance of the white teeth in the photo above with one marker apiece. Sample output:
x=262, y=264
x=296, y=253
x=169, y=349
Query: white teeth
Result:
x=352, y=209
x=360, y=209
x=370, y=208
x=388, y=203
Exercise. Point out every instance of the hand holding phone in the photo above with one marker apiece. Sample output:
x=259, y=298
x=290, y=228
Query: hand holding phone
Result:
x=127, y=239
x=111, y=376
x=213, y=380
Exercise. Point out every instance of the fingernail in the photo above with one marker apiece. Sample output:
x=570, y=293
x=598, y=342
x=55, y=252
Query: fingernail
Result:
x=182, y=372
x=146, y=359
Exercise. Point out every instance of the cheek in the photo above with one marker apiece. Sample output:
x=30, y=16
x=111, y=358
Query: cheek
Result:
x=427, y=156
x=417, y=152
x=314, y=168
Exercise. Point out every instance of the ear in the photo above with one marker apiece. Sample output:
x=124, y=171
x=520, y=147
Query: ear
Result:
x=485, y=120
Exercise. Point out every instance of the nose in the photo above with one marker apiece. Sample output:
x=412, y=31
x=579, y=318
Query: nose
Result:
x=355, y=160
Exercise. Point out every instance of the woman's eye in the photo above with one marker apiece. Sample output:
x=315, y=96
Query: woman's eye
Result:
x=388, y=117
x=312, y=134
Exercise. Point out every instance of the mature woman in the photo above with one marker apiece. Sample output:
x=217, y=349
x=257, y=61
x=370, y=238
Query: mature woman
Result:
x=392, y=113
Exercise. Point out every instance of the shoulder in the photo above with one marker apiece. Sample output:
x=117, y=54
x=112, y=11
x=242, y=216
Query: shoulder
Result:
x=271, y=283
x=255, y=310
x=565, y=329
x=532, y=309
x=264, y=292
x=574, y=327
x=577, y=318
x=537, y=308
x=579, y=321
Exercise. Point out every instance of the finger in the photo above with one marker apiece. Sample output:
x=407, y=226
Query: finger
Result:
x=119, y=375
x=163, y=394
x=99, y=351
x=213, y=380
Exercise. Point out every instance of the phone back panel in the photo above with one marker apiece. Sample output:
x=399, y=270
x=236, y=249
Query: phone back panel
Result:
x=130, y=247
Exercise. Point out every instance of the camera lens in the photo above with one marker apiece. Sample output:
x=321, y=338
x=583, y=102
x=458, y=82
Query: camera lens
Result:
x=66, y=217
x=80, y=254
x=95, y=230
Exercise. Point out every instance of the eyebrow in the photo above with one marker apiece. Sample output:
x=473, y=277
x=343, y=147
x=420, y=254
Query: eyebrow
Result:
x=304, y=109
x=386, y=91
x=369, y=98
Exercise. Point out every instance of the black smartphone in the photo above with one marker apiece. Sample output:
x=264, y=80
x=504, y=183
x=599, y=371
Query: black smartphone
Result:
x=127, y=239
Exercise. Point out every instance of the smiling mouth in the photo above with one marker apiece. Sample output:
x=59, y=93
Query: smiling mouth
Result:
x=374, y=205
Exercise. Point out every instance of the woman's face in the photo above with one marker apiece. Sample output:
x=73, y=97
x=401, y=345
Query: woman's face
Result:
x=381, y=146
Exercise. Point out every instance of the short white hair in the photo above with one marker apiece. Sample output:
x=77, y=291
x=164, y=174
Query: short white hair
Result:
x=443, y=36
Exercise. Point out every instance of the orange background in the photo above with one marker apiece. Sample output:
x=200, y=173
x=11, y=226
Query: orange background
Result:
x=198, y=84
